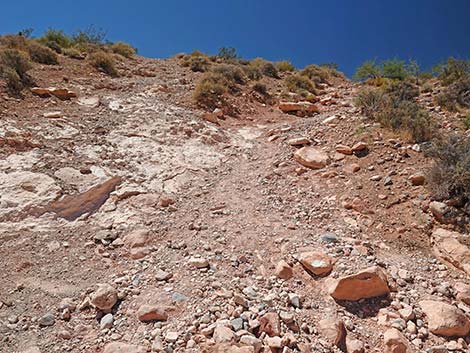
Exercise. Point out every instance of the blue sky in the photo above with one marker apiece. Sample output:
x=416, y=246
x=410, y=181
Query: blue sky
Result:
x=309, y=31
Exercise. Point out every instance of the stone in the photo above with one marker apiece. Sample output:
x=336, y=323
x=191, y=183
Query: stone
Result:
x=171, y=336
x=53, y=115
x=439, y=210
x=395, y=342
x=151, y=312
x=360, y=146
x=120, y=347
x=352, y=168
x=163, y=275
x=445, y=319
x=107, y=321
x=311, y=157
x=252, y=341
x=223, y=334
x=91, y=102
x=270, y=324
x=417, y=179
x=344, y=149
x=299, y=141
x=333, y=330
x=450, y=250
x=463, y=292
x=317, y=263
x=294, y=107
x=211, y=117
x=368, y=283
x=199, y=262
x=354, y=345
x=104, y=297
x=283, y=270
x=274, y=342
x=136, y=239
x=46, y=320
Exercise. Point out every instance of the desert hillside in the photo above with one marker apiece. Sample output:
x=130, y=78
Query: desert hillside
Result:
x=206, y=203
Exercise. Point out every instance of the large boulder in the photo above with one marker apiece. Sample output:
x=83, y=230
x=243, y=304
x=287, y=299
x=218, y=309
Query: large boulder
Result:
x=368, y=283
x=450, y=250
x=311, y=157
x=445, y=319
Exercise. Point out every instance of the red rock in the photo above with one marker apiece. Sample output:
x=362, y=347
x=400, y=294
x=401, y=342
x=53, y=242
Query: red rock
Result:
x=299, y=141
x=352, y=168
x=223, y=334
x=445, y=319
x=136, y=238
x=360, y=146
x=417, y=179
x=120, y=347
x=395, y=342
x=284, y=270
x=149, y=312
x=104, y=297
x=448, y=249
x=368, y=283
x=293, y=107
x=344, y=149
x=311, y=157
x=317, y=263
x=354, y=346
x=270, y=324
x=333, y=330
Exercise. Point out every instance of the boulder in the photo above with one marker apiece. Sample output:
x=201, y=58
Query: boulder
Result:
x=445, y=319
x=354, y=345
x=149, y=312
x=104, y=297
x=395, y=342
x=450, y=250
x=334, y=331
x=368, y=283
x=463, y=292
x=311, y=157
x=317, y=263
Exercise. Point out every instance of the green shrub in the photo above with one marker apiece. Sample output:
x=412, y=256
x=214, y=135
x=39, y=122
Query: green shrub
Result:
x=456, y=95
x=210, y=90
x=103, y=62
x=123, y=49
x=452, y=70
x=284, y=66
x=394, y=69
x=13, y=81
x=227, y=54
x=370, y=100
x=72, y=53
x=230, y=72
x=196, y=61
x=449, y=177
x=56, y=40
x=42, y=54
x=402, y=91
x=90, y=35
x=300, y=84
x=466, y=122
x=368, y=70
x=252, y=72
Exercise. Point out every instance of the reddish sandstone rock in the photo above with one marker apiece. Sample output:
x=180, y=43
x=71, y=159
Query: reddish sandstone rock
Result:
x=270, y=324
x=333, y=330
x=283, y=270
x=311, y=157
x=149, y=312
x=317, y=263
x=395, y=342
x=120, y=347
x=445, y=319
x=368, y=283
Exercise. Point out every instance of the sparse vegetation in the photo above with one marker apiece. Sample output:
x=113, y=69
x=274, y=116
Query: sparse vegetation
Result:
x=14, y=67
x=316, y=74
x=452, y=70
x=260, y=88
x=210, y=89
x=42, y=54
x=232, y=73
x=104, y=62
x=266, y=67
x=72, y=53
x=394, y=69
x=90, y=35
x=227, y=54
x=285, y=66
x=368, y=70
x=123, y=49
x=449, y=177
x=370, y=100
x=196, y=61
x=456, y=96
x=300, y=84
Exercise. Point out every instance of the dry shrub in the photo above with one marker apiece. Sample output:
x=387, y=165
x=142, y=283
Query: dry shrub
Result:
x=300, y=84
x=42, y=54
x=103, y=62
x=210, y=90
x=196, y=61
x=123, y=49
x=316, y=74
x=449, y=176
x=230, y=72
x=456, y=96
x=285, y=66
x=72, y=53
x=14, y=65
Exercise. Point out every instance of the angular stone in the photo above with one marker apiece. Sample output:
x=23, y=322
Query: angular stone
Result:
x=354, y=345
x=104, y=297
x=283, y=270
x=311, y=157
x=120, y=347
x=368, y=283
x=344, y=149
x=333, y=330
x=445, y=319
x=417, y=179
x=317, y=263
x=270, y=324
x=395, y=342
x=294, y=107
x=150, y=312
x=223, y=334
x=198, y=262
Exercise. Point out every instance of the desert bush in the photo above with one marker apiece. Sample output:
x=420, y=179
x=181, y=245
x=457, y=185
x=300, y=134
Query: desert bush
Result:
x=456, y=95
x=210, y=90
x=260, y=88
x=41, y=54
x=230, y=72
x=252, y=72
x=13, y=41
x=452, y=70
x=368, y=70
x=14, y=66
x=402, y=91
x=103, y=62
x=300, y=84
x=90, y=35
x=394, y=69
x=72, y=53
x=196, y=61
x=284, y=66
x=123, y=49
x=370, y=100
x=56, y=40
x=227, y=54
x=266, y=67
x=449, y=176
x=316, y=73
x=427, y=87
x=466, y=122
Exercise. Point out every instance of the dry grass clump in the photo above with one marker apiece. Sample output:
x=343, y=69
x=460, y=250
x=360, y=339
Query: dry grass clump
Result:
x=104, y=62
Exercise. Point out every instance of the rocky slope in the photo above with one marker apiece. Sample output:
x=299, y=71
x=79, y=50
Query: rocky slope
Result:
x=129, y=223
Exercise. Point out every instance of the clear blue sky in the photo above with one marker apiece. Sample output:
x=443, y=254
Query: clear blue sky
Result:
x=309, y=31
